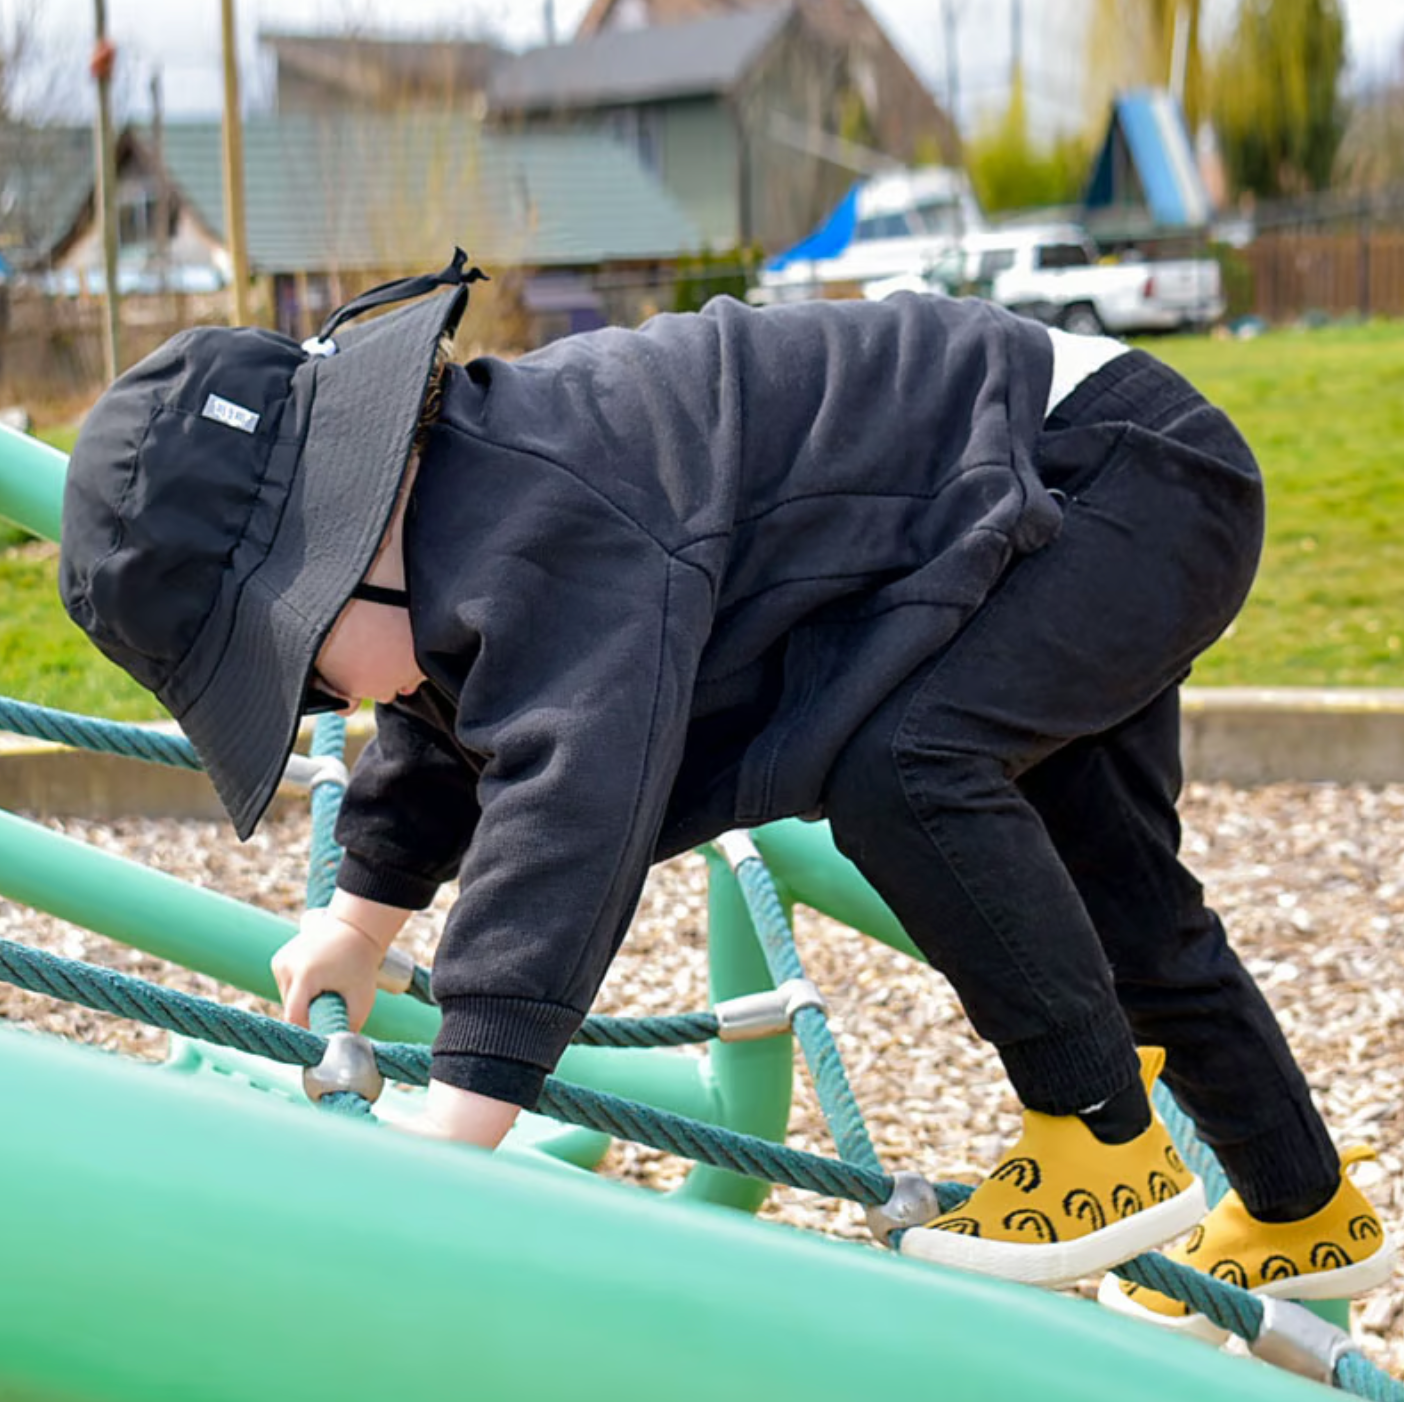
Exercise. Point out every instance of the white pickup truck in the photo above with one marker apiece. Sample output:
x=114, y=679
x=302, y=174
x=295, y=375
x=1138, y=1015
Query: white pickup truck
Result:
x=1052, y=272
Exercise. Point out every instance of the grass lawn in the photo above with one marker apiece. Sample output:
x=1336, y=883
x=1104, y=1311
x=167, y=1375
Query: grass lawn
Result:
x=1323, y=409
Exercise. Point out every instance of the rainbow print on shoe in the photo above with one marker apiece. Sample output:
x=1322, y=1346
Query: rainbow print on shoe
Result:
x=1061, y=1204
x=1335, y=1254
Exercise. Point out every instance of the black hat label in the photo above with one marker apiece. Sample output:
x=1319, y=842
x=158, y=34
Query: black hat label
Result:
x=225, y=411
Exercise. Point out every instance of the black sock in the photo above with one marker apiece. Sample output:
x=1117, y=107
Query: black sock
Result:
x=1120, y=1117
x=1294, y=1209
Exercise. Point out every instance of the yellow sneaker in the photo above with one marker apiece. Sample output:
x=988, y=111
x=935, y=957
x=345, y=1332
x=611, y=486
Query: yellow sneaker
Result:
x=1061, y=1204
x=1335, y=1254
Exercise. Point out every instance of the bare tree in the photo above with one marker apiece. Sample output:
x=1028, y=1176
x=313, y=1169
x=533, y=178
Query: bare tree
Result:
x=1145, y=43
x=39, y=81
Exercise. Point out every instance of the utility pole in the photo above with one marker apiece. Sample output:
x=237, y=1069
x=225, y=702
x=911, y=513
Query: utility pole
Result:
x=950, y=16
x=1016, y=42
x=161, y=234
x=549, y=16
x=234, y=168
x=105, y=160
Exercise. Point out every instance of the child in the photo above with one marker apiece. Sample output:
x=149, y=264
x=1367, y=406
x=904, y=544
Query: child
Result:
x=917, y=566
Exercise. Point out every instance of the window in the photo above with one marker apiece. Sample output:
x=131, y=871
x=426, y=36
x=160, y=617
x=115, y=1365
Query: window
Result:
x=881, y=226
x=137, y=215
x=937, y=217
x=638, y=129
x=1061, y=255
x=996, y=261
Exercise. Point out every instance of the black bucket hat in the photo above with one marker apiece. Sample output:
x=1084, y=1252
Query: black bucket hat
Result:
x=223, y=499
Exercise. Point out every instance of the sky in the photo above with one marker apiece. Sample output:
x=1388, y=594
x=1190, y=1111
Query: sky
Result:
x=181, y=39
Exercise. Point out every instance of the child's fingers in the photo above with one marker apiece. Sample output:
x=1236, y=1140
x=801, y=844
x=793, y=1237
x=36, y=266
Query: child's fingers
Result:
x=297, y=1002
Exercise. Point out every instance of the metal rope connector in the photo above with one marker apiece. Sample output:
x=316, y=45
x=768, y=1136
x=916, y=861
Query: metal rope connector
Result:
x=1292, y=1337
x=311, y=772
x=736, y=847
x=396, y=972
x=348, y=1064
x=767, y=1014
x=913, y=1204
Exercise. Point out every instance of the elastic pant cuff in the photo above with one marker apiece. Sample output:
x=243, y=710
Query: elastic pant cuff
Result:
x=1286, y=1164
x=1070, y=1068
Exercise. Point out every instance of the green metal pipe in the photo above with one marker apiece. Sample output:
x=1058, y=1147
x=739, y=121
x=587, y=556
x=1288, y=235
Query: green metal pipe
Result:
x=165, y=1239
x=233, y=942
x=149, y=910
x=810, y=869
x=31, y=483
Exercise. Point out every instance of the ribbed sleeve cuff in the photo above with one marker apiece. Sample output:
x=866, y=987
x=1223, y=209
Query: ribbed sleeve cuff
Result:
x=384, y=884
x=509, y=1029
x=513, y=1081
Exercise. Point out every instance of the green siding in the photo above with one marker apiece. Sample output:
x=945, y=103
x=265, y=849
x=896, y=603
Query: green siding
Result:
x=701, y=166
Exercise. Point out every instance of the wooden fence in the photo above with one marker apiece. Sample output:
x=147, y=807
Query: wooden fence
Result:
x=51, y=348
x=1296, y=273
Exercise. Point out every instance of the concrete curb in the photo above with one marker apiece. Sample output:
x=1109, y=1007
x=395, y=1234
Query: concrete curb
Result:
x=1243, y=736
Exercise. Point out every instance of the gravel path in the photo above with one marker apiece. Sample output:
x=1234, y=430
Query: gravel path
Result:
x=1309, y=878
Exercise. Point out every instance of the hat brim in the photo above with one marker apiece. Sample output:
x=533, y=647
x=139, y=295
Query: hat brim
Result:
x=357, y=413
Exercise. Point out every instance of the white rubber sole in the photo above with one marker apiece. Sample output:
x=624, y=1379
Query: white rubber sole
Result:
x=1344, y=1283
x=1061, y=1262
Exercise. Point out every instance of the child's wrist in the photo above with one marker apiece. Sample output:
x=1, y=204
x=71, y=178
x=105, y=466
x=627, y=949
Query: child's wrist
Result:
x=377, y=924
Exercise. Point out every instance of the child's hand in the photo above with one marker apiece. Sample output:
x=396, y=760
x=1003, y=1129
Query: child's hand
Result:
x=463, y=1116
x=327, y=955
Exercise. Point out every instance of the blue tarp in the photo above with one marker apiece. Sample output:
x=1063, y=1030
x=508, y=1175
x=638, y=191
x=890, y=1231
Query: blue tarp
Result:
x=828, y=240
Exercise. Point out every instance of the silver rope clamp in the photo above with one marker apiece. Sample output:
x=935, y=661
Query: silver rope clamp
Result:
x=1292, y=1337
x=348, y=1064
x=736, y=847
x=311, y=772
x=396, y=972
x=766, y=1014
x=913, y=1203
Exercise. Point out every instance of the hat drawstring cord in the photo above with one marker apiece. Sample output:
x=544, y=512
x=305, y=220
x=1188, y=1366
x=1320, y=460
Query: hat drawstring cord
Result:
x=402, y=290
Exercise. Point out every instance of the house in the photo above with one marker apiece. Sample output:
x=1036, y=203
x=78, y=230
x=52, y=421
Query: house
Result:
x=46, y=176
x=899, y=116
x=570, y=224
x=755, y=118
x=1145, y=182
x=318, y=73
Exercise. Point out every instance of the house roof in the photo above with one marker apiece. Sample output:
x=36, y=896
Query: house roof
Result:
x=621, y=66
x=840, y=19
x=372, y=192
x=907, y=118
x=381, y=69
x=1147, y=161
x=46, y=178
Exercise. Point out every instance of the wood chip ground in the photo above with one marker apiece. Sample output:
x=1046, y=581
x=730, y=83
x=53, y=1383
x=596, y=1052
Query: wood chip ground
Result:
x=1309, y=879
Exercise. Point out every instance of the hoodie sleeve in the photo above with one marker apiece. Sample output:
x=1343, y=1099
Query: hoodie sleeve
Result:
x=409, y=810
x=581, y=635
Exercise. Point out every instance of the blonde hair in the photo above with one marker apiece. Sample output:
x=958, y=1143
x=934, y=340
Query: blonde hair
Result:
x=434, y=395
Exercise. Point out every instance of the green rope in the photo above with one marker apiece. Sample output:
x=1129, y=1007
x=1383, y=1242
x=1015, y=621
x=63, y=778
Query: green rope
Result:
x=328, y=741
x=103, y=736
x=677, y=1030
x=1202, y=1160
x=110, y=991
x=811, y=1027
x=1355, y=1373
x=1228, y=1306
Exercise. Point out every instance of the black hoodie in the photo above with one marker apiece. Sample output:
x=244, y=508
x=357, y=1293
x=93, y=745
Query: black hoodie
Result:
x=657, y=579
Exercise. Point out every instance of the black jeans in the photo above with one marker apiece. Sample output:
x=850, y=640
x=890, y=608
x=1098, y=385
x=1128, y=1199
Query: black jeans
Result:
x=1014, y=801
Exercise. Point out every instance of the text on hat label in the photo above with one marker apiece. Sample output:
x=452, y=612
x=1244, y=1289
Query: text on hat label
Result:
x=225, y=411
